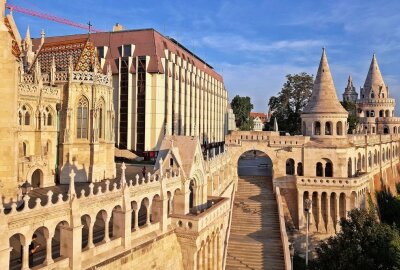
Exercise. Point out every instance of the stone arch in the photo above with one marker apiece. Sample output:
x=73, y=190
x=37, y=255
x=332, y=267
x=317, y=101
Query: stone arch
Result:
x=143, y=218
x=60, y=235
x=339, y=128
x=115, y=222
x=369, y=159
x=37, y=178
x=290, y=166
x=99, y=232
x=386, y=130
x=349, y=168
x=317, y=128
x=342, y=205
x=17, y=243
x=252, y=154
x=134, y=215
x=156, y=209
x=39, y=242
x=359, y=161
x=300, y=170
x=319, y=171
x=328, y=168
x=87, y=228
x=328, y=128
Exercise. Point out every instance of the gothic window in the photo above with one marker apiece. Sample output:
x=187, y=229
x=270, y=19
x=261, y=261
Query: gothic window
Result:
x=48, y=118
x=27, y=115
x=82, y=119
x=372, y=95
x=100, y=118
x=24, y=152
x=339, y=128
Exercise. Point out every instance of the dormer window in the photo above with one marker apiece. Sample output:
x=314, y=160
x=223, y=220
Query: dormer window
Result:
x=372, y=95
x=127, y=50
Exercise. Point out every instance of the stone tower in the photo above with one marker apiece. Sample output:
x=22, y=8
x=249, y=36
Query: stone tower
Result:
x=350, y=93
x=324, y=116
x=8, y=118
x=375, y=108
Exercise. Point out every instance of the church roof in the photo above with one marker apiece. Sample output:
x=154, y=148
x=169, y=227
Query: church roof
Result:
x=15, y=47
x=147, y=42
x=374, y=81
x=323, y=98
x=81, y=51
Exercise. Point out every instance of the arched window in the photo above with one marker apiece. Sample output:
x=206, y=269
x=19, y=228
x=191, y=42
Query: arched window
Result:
x=381, y=113
x=25, y=116
x=290, y=167
x=383, y=155
x=300, y=169
x=394, y=130
x=385, y=130
x=48, y=118
x=319, y=171
x=100, y=118
x=387, y=113
x=24, y=149
x=82, y=119
x=370, y=159
x=372, y=114
x=329, y=169
x=349, y=168
x=328, y=128
x=372, y=95
x=27, y=120
x=339, y=128
x=317, y=128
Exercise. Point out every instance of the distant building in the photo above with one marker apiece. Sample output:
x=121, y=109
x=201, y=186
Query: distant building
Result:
x=160, y=88
x=259, y=120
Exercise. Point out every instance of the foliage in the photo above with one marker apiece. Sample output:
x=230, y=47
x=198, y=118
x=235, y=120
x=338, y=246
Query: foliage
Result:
x=363, y=243
x=290, y=101
x=352, y=119
x=242, y=107
x=389, y=208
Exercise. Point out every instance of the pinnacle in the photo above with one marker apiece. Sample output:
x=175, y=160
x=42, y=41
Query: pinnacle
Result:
x=323, y=98
x=374, y=81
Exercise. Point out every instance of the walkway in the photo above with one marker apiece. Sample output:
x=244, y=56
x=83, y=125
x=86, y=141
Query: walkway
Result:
x=255, y=241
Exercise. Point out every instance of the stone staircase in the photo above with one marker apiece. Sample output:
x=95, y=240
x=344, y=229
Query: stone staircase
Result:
x=255, y=241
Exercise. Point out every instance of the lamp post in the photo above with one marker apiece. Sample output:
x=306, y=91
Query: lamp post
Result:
x=307, y=209
x=291, y=250
x=25, y=188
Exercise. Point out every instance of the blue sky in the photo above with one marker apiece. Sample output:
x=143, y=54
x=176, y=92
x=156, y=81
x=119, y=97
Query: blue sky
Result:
x=253, y=44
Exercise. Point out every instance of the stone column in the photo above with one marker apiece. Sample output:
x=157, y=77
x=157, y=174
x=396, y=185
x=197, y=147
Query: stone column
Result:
x=136, y=226
x=205, y=256
x=319, y=220
x=25, y=257
x=122, y=226
x=348, y=203
x=300, y=208
x=337, y=202
x=106, y=230
x=215, y=255
x=148, y=209
x=90, y=235
x=200, y=258
x=210, y=254
x=5, y=258
x=329, y=226
x=49, y=259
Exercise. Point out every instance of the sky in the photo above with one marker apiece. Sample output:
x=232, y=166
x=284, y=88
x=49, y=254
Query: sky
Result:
x=254, y=44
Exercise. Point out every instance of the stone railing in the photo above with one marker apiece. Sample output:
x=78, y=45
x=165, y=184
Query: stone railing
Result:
x=216, y=162
x=270, y=137
x=282, y=227
x=195, y=223
x=140, y=186
x=333, y=181
x=370, y=139
x=35, y=90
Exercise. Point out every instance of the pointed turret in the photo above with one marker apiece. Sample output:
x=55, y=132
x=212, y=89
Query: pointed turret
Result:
x=323, y=98
x=374, y=86
x=350, y=93
x=324, y=116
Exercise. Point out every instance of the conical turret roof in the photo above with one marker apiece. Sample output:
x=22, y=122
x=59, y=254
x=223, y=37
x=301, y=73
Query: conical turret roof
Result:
x=374, y=81
x=323, y=98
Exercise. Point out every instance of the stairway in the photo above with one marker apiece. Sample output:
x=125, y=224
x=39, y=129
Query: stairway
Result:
x=255, y=241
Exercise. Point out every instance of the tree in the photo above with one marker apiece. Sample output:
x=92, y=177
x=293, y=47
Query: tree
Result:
x=363, y=243
x=242, y=107
x=352, y=119
x=290, y=101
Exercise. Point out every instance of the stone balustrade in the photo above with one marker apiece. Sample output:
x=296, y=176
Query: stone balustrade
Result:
x=333, y=181
x=197, y=222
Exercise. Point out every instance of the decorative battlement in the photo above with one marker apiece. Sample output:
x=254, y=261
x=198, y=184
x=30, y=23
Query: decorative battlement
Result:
x=333, y=181
x=272, y=138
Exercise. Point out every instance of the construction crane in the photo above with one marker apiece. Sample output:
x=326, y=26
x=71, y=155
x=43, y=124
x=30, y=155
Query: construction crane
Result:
x=53, y=18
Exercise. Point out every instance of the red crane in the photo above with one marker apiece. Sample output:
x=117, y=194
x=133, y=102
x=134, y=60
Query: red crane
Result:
x=53, y=18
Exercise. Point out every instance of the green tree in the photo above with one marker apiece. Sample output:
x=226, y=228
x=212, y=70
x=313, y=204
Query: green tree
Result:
x=242, y=107
x=363, y=243
x=290, y=101
x=352, y=119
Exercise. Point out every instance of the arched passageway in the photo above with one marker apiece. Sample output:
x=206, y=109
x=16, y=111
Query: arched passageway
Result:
x=37, y=178
x=255, y=163
x=255, y=219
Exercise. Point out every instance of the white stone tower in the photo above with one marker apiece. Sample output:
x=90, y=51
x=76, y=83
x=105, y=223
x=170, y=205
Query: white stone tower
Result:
x=350, y=93
x=375, y=108
x=324, y=117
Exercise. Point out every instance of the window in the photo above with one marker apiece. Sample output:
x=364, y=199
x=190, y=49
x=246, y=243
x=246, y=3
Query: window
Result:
x=317, y=128
x=48, y=118
x=290, y=166
x=24, y=116
x=127, y=50
x=82, y=119
x=318, y=169
x=328, y=128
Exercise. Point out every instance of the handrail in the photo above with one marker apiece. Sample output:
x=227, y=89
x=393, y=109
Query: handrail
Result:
x=284, y=237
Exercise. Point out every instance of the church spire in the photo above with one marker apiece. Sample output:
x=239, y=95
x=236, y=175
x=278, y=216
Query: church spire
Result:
x=323, y=98
x=350, y=93
x=374, y=86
